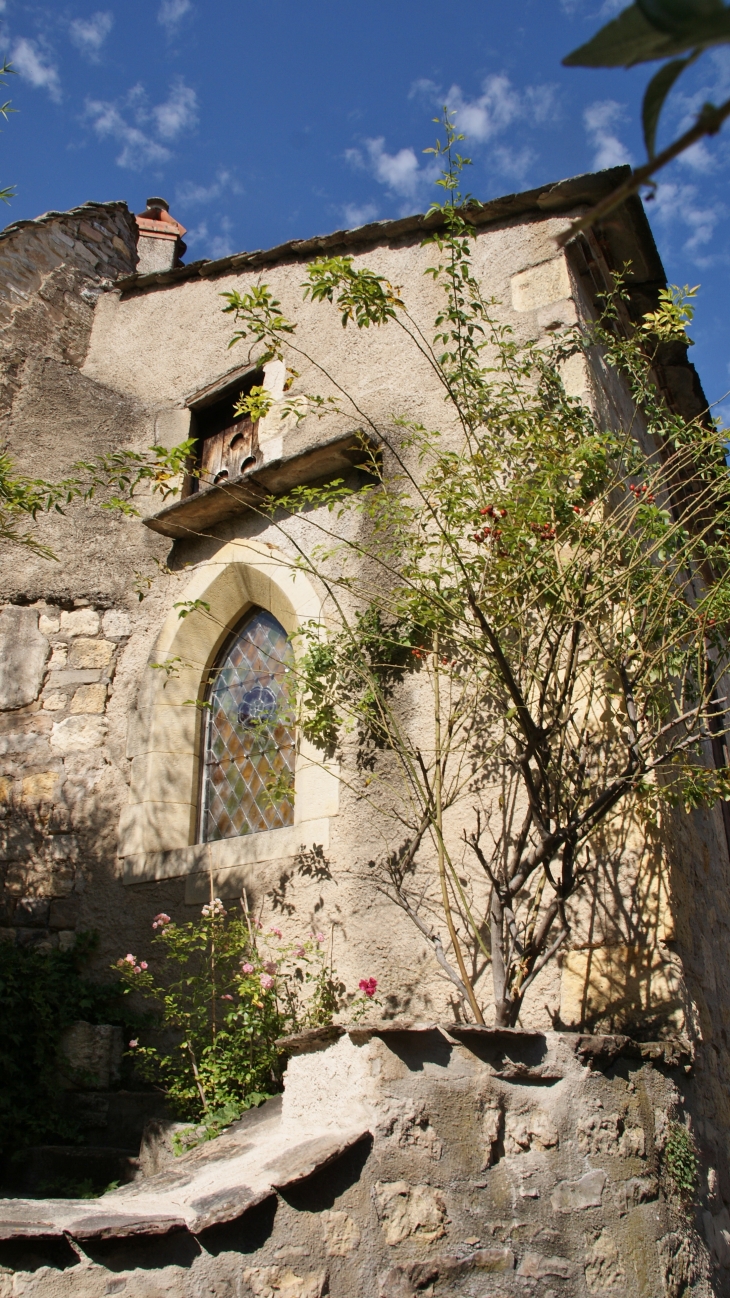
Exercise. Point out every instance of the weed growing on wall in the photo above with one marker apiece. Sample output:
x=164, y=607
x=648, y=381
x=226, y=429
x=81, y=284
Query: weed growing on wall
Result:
x=225, y=992
x=680, y=1164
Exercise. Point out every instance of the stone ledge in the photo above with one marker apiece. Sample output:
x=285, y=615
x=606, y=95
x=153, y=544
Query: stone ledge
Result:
x=212, y=505
x=224, y=857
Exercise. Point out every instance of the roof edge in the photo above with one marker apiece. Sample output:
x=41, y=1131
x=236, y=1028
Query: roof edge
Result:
x=559, y=196
x=47, y=217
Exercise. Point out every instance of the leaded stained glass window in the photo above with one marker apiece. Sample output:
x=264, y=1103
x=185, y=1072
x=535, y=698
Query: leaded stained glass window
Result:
x=248, y=768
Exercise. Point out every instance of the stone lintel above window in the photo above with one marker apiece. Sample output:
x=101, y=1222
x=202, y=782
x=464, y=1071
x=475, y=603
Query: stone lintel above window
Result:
x=306, y=463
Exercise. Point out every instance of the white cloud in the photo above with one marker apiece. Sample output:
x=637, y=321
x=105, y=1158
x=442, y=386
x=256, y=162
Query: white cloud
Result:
x=400, y=172
x=221, y=246
x=138, y=149
x=499, y=105
x=355, y=214
x=188, y=194
x=608, y=9
x=31, y=62
x=171, y=12
x=493, y=111
x=675, y=204
x=198, y=234
x=141, y=137
x=600, y=120
x=89, y=34
x=178, y=113
x=513, y=163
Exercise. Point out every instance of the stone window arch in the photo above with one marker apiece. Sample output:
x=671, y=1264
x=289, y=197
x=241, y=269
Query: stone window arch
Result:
x=249, y=742
x=159, y=828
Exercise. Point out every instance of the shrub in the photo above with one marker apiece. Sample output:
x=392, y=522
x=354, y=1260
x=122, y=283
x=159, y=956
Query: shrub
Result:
x=225, y=995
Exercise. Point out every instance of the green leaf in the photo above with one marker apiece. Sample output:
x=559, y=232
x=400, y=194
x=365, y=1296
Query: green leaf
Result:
x=630, y=38
x=635, y=37
x=675, y=16
x=656, y=92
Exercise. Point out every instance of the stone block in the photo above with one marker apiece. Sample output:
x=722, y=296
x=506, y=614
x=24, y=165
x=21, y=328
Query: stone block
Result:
x=536, y=1267
x=281, y=1282
x=23, y=654
x=48, y=624
x=341, y=1234
x=59, y=679
x=64, y=912
x=116, y=624
x=89, y=232
x=90, y=653
x=19, y=741
x=16, y=842
x=6, y=789
x=64, y=847
x=155, y=827
x=78, y=734
x=574, y=1196
x=90, y=1056
x=603, y=1269
x=55, y=701
x=89, y=698
x=41, y=787
x=540, y=285
x=32, y=912
x=407, y=1211
x=59, y=657
x=66, y=940
x=82, y=621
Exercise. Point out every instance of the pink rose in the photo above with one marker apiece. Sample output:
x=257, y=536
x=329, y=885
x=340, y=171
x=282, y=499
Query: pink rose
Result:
x=130, y=959
x=143, y=964
x=266, y=981
x=247, y=968
x=299, y=952
x=368, y=986
x=276, y=932
x=227, y=997
x=320, y=937
x=133, y=1044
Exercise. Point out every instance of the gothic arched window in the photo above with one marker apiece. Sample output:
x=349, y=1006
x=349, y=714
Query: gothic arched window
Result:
x=248, y=761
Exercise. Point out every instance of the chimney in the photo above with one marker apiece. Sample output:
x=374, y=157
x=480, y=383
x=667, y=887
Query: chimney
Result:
x=159, y=244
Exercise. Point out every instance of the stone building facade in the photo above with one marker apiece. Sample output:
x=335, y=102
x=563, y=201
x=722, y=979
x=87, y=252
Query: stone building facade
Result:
x=109, y=342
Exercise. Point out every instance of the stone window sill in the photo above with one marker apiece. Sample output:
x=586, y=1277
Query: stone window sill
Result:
x=230, y=863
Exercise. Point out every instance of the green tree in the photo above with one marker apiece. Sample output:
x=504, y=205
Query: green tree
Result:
x=547, y=594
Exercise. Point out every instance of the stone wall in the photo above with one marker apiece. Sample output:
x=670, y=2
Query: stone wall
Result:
x=435, y=1162
x=88, y=368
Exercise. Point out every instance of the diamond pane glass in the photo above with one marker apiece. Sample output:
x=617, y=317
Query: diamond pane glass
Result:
x=248, y=772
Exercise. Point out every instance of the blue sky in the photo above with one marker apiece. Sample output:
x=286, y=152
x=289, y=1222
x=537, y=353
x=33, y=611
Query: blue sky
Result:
x=261, y=123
